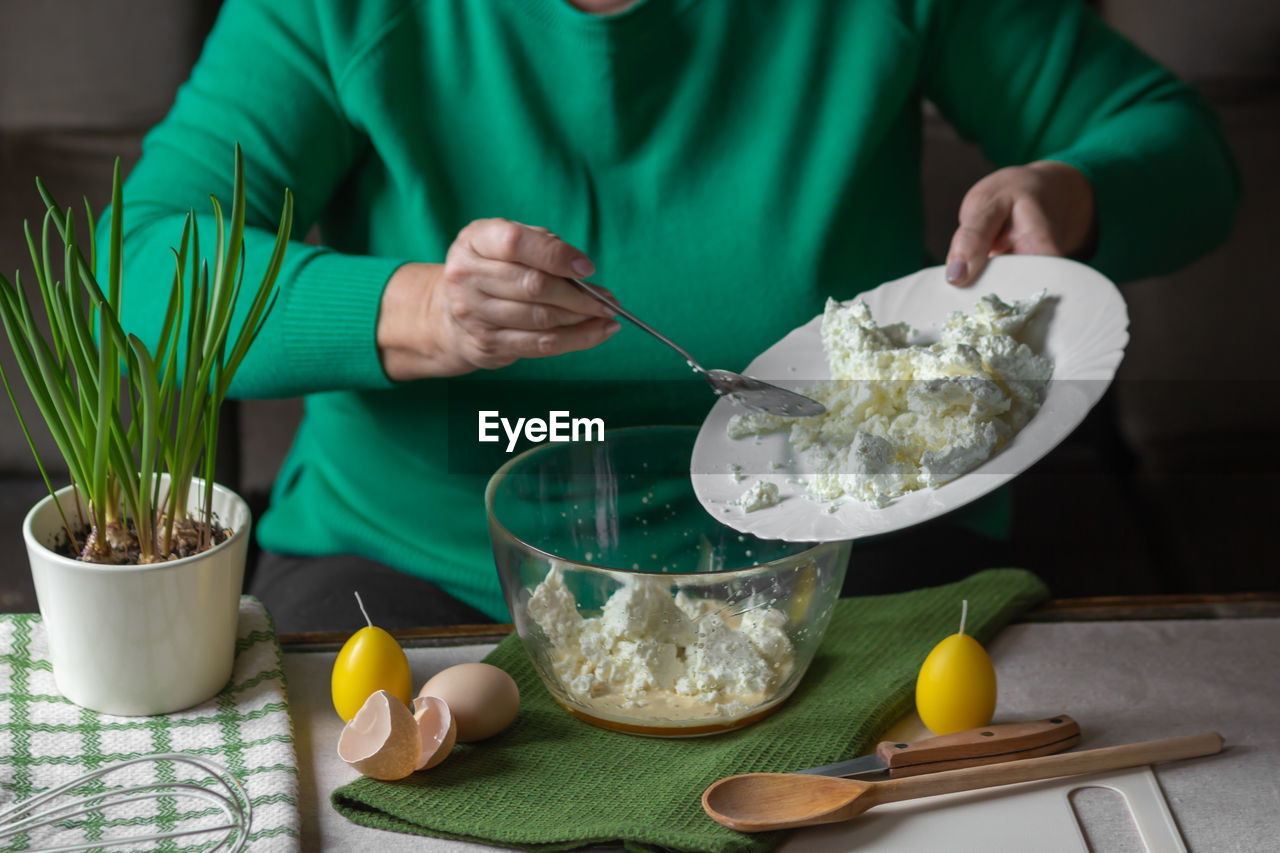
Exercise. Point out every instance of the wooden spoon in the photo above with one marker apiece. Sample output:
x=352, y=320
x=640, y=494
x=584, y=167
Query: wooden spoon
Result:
x=758, y=802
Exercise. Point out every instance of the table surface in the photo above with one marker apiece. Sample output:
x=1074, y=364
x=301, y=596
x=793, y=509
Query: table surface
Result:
x=1203, y=665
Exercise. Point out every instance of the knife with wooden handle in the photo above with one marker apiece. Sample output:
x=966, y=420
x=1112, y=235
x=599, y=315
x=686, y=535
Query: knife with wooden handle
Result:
x=972, y=748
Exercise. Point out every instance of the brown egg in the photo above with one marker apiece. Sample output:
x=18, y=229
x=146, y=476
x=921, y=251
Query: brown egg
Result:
x=483, y=698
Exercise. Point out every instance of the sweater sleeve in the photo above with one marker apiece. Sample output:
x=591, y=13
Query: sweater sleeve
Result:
x=267, y=80
x=1048, y=80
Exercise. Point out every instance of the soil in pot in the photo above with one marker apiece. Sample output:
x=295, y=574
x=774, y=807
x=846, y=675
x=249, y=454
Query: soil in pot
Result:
x=189, y=537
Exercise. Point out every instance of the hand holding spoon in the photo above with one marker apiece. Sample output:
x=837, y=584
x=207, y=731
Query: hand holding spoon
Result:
x=759, y=802
x=750, y=392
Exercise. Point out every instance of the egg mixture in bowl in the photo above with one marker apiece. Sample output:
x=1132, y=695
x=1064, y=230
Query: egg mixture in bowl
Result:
x=640, y=611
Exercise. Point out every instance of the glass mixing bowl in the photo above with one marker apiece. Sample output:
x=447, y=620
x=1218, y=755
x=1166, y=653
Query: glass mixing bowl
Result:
x=641, y=612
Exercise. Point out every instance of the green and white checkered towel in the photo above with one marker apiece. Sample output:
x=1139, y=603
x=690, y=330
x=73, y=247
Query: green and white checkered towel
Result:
x=46, y=741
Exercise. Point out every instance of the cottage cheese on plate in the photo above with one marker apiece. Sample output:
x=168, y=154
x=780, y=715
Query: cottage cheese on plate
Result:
x=759, y=495
x=651, y=654
x=902, y=417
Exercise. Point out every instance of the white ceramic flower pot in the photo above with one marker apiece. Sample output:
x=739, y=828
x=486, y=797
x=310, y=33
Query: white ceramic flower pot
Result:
x=137, y=640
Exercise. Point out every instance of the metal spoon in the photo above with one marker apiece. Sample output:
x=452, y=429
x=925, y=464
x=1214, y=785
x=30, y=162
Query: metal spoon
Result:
x=759, y=802
x=752, y=393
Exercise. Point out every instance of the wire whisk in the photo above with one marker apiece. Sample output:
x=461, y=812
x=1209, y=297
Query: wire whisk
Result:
x=232, y=809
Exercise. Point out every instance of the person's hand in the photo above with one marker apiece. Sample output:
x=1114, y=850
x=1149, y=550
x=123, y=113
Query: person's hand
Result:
x=500, y=295
x=1043, y=208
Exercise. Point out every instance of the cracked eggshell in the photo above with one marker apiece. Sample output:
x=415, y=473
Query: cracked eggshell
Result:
x=483, y=698
x=437, y=729
x=382, y=739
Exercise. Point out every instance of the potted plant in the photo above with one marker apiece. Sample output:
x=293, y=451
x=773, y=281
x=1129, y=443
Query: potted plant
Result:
x=137, y=564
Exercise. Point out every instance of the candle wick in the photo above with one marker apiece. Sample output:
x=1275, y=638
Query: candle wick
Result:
x=964, y=613
x=370, y=621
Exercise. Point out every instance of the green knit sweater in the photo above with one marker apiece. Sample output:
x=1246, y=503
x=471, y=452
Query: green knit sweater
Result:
x=727, y=164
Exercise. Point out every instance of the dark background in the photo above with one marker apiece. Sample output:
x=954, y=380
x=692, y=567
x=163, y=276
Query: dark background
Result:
x=1169, y=486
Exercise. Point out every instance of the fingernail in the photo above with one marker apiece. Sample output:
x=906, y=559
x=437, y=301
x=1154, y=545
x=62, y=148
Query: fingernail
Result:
x=583, y=267
x=612, y=327
x=957, y=270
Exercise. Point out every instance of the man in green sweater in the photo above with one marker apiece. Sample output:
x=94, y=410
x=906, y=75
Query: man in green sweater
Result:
x=722, y=166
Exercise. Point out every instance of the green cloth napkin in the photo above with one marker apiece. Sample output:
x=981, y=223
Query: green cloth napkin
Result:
x=551, y=782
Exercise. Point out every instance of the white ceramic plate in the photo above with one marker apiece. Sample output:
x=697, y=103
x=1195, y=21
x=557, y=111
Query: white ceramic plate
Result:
x=1084, y=331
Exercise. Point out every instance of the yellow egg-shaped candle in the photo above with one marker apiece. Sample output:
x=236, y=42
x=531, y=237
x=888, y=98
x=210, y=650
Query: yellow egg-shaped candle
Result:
x=956, y=688
x=370, y=660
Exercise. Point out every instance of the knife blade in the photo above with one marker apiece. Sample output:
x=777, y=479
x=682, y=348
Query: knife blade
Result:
x=987, y=745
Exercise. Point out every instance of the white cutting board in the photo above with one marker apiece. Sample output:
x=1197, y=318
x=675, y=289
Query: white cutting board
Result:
x=1035, y=816
x=1013, y=819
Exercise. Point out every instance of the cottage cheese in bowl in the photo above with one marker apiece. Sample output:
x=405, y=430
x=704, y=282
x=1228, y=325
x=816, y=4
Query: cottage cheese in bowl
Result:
x=640, y=611
x=651, y=654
